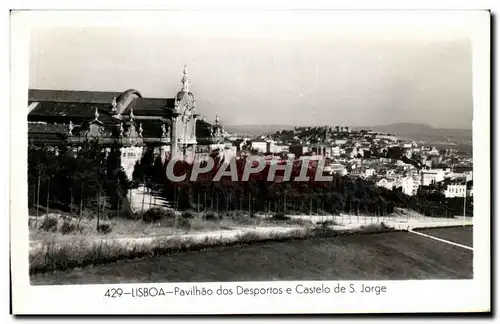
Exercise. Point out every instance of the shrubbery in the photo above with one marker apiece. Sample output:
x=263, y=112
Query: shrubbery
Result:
x=49, y=223
x=157, y=214
x=211, y=216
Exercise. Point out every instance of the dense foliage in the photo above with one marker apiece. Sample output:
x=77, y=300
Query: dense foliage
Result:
x=341, y=195
x=74, y=181
x=91, y=178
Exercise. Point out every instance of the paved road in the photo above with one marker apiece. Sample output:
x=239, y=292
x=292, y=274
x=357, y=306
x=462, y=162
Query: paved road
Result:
x=387, y=256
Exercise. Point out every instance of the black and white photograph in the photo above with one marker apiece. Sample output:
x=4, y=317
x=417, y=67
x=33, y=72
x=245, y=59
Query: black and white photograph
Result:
x=329, y=150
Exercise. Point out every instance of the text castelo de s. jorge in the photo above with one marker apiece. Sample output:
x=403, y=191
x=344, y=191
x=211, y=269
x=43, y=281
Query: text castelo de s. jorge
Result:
x=238, y=290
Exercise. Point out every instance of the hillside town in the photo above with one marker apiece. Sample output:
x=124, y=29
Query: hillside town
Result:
x=384, y=159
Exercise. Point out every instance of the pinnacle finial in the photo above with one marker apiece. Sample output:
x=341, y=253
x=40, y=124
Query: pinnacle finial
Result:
x=140, y=130
x=96, y=114
x=185, y=80
x=217, y=119
x=132, y=116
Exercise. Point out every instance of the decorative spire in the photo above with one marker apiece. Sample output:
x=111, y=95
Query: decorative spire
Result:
x=121, y=130
x=96, y=114
x=70, y=127
x=217, y=120
x=140, y=130
x=163, y=131
x=114, y=104
x=132, y=114
x=185, y=80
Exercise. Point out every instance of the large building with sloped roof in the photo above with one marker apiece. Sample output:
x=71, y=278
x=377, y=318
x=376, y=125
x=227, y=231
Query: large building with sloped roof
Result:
x=169, y=125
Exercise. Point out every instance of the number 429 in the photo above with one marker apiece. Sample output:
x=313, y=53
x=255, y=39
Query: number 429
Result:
x=113, y=292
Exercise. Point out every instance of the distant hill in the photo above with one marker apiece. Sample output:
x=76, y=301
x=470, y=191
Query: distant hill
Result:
x=419, y=132
x=256, y=130
x=403, y=129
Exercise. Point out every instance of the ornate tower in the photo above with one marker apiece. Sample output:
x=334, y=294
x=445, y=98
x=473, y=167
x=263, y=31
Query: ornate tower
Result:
x=184, y=122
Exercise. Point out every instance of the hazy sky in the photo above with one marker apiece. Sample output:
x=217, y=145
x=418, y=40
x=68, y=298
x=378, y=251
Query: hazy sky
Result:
x=325, y=68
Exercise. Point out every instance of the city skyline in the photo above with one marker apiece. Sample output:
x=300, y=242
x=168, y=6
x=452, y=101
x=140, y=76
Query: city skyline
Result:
x=268, y=70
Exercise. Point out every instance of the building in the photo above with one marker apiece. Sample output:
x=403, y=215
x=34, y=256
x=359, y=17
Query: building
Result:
x=335, y=151
x=386, y=183
x=407, y=185
x=369, y=172
x=390, y=138
x=280, y=148
x=432, y=176
x=260, y=146
x=455, y=190
x=128, y=121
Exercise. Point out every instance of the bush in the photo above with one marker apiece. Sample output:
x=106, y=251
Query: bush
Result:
x=328, y=222
x=321, y=212
x=188, y=214
x=104, y=228
x=280, y=216
x=236, y=214
x=157, y=214
x=182, y=223
x=67, y=227
x=49, y=223
x=376, y=228
x=211, y=216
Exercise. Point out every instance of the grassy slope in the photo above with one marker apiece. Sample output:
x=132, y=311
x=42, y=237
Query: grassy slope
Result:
x=460, y=235
x=388, y=256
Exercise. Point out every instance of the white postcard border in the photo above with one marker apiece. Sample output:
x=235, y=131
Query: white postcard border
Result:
x=404, y=296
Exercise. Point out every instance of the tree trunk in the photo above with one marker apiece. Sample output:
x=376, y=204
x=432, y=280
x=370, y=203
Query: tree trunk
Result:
x=71, y=199
x=81, y=202
x=249, y=206
x=143, y=195
x=48, y=195
x=38, y=193
x=118, y=197
x=284, y=206
x=98, y=207
x=150, y=198
x=357, y=210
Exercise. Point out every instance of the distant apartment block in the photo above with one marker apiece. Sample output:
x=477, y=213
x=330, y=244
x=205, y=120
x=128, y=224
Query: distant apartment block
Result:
x=455, y=190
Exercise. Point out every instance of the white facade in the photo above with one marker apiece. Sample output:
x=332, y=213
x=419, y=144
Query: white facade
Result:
x=338, y=169
x=279, y=148
x=433, y=151
x=432, y=176
x=388, y=137
x=369, y=172
x=260, y=146
x=129, y=156
x=385, y=183
x=455, y=190
x=407, y=186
